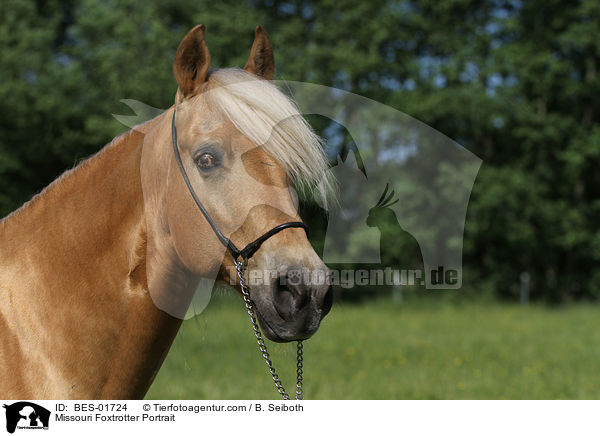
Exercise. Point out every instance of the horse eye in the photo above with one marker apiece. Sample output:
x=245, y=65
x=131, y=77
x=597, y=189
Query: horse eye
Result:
x=206, y=161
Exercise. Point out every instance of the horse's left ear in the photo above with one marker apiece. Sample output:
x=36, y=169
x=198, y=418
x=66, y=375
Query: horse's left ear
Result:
x=261, y=60
x=191, y=62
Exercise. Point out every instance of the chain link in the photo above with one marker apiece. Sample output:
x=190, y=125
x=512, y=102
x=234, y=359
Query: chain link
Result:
x=299, y=359
x=240, y=267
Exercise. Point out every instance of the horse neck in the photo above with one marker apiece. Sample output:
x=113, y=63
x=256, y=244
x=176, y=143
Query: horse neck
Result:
x=82, y=242
x=86, y=217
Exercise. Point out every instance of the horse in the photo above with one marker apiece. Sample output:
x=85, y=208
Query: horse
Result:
x=98, y=269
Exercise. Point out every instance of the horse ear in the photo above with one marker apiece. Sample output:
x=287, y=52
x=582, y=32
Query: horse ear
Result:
x=191, y=62
x=261, y=60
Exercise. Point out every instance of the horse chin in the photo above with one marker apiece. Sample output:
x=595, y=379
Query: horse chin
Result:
x=268, y=330
x=274, y=331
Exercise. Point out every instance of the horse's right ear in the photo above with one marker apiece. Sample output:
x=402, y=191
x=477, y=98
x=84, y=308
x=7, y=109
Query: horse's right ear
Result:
x=191, y=63
x=261, y=60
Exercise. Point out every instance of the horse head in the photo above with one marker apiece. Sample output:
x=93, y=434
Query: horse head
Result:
x=245, y=149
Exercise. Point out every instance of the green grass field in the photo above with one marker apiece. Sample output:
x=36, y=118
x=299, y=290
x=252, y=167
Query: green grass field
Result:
x=379, y=350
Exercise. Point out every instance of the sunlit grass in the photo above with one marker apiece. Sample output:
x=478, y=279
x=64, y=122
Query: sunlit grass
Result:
x=381, y=350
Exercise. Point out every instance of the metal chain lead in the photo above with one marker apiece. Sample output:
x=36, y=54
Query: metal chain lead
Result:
x=299, y=358
x=241, y=269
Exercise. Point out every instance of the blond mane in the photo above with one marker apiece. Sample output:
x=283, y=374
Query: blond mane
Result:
x=259, y=110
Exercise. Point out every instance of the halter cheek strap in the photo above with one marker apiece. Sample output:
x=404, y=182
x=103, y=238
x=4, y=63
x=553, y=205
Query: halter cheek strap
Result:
x=248, y=251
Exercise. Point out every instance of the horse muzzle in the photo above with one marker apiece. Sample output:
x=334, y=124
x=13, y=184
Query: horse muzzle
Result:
x=291, y=310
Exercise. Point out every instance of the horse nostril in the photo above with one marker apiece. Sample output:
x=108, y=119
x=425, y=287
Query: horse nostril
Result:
x=289, y=298
x=327, y=301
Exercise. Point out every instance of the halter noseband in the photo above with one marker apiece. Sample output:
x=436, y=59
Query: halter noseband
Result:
x=248, y=251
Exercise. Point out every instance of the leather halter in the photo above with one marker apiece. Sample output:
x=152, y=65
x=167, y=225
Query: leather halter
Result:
x=248, y=251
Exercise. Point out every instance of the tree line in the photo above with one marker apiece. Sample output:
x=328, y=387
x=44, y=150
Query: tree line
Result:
x=514, y=82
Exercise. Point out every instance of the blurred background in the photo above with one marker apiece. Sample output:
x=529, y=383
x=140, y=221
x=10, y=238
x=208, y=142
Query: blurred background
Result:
x=515, y=82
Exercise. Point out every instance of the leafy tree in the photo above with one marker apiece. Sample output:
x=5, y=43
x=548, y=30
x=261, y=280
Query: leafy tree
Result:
x=515, y=82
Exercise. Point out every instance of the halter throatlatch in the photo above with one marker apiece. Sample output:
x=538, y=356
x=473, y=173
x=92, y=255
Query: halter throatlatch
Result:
x=240, y=260
x=248, y=251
